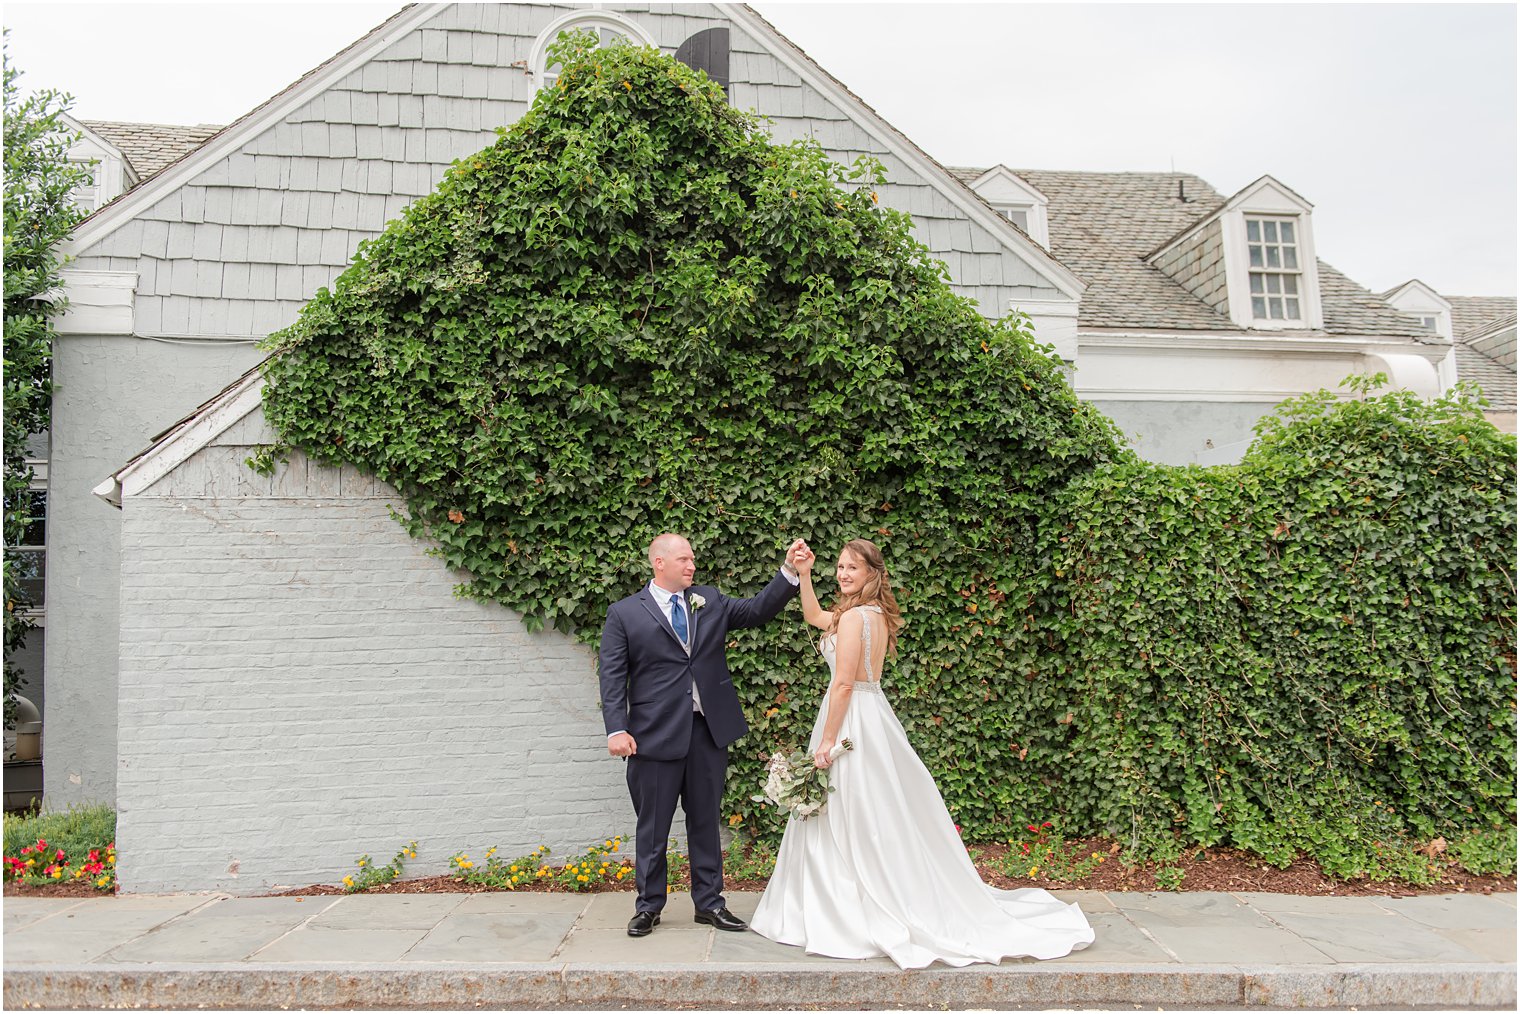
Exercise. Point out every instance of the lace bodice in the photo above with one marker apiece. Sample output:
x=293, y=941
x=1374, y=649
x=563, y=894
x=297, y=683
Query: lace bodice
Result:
x=828, y=645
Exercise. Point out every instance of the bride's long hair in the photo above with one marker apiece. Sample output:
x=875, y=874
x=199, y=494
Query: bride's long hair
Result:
x=876, y=591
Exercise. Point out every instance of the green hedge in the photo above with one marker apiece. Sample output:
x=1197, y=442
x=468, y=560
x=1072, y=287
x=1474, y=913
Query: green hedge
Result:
x=635, y=312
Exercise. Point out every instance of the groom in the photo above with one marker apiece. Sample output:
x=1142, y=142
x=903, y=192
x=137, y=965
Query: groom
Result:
x=671, y=710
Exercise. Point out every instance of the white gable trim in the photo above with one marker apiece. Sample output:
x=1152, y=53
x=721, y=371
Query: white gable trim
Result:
x=231, y=138
x=893, y=140
x=176, y=446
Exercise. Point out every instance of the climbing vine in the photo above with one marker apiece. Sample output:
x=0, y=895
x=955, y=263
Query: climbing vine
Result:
x=636, y=312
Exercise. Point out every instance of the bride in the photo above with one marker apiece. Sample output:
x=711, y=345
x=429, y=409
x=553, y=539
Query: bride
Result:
x=882, y=870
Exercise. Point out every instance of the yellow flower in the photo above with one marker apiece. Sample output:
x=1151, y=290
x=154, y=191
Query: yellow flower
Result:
x=58, y=874
x=103, y=881
x=609, y=844
x=490, y=852
x=110, y=859
x=348, y=881
x=735, y=820
x=582, y=878
x=514, y=869
x=1033, y=870
x=361, y=864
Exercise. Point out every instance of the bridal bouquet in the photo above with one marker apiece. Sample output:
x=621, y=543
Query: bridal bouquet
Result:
x=794, y=783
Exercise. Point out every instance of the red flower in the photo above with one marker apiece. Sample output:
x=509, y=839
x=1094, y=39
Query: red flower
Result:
x=59, y=856
x=94, y=855
x=26, y=850
x=41, y=844
x=1033, y=828
x=1046, y=824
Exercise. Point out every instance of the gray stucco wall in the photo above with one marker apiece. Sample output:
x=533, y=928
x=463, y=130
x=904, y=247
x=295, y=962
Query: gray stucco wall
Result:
x=300, y=685
x=1177, y=432
x=111, y=395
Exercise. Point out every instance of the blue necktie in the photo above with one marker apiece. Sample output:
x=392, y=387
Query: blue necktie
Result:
x=678, y=618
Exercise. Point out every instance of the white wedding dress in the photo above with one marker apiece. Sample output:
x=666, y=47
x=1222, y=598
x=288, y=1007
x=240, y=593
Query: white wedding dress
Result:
x=882, y=870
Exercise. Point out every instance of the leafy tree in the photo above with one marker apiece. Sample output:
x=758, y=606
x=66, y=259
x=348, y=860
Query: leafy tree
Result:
x=635, y=312
x=39, y=214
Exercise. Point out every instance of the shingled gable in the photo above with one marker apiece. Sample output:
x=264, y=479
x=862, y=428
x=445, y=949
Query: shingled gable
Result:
x=232, y=137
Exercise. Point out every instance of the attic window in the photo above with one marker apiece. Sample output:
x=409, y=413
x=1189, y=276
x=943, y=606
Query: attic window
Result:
x=1275, y=275
x=88, y=194
x=607, y=25
x=1018, y=214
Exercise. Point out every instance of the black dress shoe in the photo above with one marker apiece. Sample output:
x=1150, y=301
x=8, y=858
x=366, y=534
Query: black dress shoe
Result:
x=643, y=923
x=723, y=919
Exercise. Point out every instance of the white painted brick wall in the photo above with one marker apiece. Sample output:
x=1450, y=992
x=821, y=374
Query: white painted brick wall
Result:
x=299, y=685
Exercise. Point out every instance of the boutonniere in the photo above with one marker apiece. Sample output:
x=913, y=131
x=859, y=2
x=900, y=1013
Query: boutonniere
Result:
x=697, y=602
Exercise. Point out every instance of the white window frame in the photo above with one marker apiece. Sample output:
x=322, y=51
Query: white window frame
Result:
x=1266, y=198
x=588, y=19
x=36, y=613
x=1282, y=271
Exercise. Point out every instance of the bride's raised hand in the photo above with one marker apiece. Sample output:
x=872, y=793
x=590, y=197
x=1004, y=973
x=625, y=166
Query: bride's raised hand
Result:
x=803, y=558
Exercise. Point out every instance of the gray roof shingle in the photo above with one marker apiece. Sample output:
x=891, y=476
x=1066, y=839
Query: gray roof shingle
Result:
x=1471, y=314
x=1104, y=226
x=152, y=146
x=1484, y=327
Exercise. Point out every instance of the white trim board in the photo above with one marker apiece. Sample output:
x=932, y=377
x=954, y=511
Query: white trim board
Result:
x=176, y=446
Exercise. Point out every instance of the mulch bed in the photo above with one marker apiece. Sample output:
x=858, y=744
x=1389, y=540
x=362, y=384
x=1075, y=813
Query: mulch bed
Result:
x=1215, y=869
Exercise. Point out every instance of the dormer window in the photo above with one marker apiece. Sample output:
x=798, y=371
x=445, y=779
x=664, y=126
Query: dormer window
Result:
x=87, y=193
x=1015, y=199
x=1272, y=253
x=108, y=173
x=1018, y=214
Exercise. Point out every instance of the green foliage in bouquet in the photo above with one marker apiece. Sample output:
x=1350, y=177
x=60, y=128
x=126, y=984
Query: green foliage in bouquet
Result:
x=636, y=313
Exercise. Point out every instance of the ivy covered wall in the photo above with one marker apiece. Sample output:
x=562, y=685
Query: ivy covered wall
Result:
x=636, y=313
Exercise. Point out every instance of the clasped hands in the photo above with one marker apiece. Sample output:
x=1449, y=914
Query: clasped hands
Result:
x=801, y=557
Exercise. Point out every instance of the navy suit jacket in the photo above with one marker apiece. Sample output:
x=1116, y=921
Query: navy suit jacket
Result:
x=646, y=675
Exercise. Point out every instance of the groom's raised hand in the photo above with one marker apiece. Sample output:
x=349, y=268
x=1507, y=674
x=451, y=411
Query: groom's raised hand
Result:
x=622, y=745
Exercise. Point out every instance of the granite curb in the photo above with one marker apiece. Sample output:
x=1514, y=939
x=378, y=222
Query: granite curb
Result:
x=716, y=986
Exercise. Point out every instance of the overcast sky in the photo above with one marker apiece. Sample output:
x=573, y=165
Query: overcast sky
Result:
x=1396, y=121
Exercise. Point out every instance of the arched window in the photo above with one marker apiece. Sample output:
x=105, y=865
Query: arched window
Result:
x=607, y=25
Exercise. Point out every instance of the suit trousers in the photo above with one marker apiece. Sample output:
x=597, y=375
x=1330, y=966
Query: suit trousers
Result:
x=697, y=782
